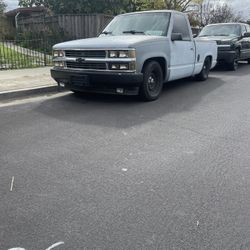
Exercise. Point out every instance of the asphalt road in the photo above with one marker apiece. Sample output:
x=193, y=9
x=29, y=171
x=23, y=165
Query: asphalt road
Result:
x=100, y=172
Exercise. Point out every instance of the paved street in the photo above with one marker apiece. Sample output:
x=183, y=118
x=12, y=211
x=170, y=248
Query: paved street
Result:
x=112, y=173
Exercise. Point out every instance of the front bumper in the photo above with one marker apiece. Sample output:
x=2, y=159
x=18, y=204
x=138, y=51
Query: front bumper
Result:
x=227, y=56
x=103, y=82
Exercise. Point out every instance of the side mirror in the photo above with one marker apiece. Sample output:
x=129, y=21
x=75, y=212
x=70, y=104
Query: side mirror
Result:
x=176, y=37
x=247, y=34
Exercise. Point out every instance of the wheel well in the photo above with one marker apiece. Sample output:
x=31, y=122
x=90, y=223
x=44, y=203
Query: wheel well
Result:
x=161, y=61
x=210, y=58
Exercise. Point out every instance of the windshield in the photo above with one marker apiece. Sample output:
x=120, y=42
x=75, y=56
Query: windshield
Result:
x=221, y=30
x=154, y=24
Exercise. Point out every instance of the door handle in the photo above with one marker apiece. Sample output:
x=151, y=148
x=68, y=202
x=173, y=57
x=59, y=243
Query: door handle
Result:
x=191, y=48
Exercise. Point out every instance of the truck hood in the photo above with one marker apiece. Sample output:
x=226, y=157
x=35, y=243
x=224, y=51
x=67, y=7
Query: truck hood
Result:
x=109, y=42
x=218, y=39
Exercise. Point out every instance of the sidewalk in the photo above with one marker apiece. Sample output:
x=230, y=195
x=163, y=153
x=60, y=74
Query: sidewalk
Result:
x=26, y=82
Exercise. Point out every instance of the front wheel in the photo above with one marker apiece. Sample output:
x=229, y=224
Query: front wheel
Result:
x=203, y=75
x=233, y=66
x=151, y=87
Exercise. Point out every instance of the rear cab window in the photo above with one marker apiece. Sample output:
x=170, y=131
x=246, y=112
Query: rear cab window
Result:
x=181, y=26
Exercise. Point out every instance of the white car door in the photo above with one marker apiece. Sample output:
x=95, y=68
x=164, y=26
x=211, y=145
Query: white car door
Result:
x=182, y=52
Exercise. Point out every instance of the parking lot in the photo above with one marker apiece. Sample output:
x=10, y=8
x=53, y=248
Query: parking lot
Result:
x=98, y=172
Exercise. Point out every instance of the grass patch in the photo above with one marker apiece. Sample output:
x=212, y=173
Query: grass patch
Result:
x=14, y=57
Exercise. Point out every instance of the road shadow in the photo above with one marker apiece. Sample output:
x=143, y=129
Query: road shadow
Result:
x=124, y=112
x=243, y=65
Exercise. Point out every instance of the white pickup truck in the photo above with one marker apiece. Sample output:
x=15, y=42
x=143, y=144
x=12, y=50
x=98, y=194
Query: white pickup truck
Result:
x=135, y=54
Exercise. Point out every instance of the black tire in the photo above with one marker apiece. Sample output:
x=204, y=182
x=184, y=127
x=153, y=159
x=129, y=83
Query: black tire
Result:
x=233, y=66
x=203, y=75
x=151, y=87
x=248, y=60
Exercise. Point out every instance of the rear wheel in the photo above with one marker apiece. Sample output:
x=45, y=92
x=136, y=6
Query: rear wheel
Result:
x=203, y=75
x=151, y=87
x=248, y=60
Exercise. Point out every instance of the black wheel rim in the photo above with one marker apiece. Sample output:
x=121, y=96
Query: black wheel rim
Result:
x=153, y=83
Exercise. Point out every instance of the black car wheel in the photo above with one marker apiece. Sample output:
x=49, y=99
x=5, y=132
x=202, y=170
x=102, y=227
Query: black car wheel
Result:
x=233, y=66
x=248, y=60
x=203, y=75
x=152, y=84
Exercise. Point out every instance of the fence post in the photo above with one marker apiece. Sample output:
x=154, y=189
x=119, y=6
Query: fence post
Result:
x=44, y=53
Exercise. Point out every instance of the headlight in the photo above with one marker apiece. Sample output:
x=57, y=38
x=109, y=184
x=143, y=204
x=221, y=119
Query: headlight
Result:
x=113, y=54
x=123, y=66
x=59, y=64
x=119, y=66
x=58, y=53
x=122, y=54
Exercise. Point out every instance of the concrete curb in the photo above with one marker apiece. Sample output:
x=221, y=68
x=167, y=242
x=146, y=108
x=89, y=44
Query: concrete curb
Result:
x=15, y=94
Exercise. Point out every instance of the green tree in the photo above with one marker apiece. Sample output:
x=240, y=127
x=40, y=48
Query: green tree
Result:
x=108, y=6
x=150, y=4
x=3, y=26
x=72, y=6
x=31, y=3
x=2, y=7
x=112, y=7
x=180, y=5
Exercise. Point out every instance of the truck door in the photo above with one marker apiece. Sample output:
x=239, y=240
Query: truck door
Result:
x=182, y=52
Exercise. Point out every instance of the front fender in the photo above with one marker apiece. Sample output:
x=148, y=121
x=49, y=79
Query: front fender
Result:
x=150, y=51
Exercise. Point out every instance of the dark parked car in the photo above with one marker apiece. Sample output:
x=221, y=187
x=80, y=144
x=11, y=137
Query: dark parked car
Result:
x=233, y=40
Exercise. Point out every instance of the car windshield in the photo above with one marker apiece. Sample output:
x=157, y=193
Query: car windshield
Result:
x=154, y=24
x=221, y=30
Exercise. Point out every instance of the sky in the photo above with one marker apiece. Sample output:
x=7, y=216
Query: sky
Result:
x=242, y=6
x=11, y=4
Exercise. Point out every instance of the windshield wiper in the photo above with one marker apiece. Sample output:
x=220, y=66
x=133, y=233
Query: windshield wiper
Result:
x=221, y=35
x=106, y=32
x=133, y=32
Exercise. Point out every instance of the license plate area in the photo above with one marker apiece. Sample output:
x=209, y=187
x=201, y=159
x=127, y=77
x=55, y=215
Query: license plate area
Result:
x=80, y=81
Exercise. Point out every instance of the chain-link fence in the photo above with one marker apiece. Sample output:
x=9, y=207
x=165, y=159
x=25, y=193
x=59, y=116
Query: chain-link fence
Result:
x=25, y=54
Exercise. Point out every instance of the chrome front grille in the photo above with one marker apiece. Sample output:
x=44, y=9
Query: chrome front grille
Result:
x=85, y=53
x=86, y=65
